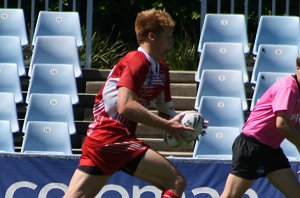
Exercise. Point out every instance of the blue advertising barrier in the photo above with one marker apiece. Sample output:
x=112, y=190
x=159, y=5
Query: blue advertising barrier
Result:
x=47, y=176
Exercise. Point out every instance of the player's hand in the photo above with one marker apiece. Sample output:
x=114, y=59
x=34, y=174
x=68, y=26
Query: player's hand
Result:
x=204, y=124
x=176, y=129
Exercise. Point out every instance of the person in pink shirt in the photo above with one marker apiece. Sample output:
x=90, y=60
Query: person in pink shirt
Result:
x=138, y=79
x=257, y=152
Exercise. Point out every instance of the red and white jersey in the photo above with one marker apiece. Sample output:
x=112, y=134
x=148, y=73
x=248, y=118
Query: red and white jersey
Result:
x=141, y=74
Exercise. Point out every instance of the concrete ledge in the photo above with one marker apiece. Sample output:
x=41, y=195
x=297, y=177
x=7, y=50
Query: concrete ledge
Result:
x=177, y=89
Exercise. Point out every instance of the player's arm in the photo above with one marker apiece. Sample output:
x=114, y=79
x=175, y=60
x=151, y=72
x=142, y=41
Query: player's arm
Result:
x=289, y=131
x=129, y=107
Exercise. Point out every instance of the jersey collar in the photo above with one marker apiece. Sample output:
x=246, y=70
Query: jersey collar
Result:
x=155, y=66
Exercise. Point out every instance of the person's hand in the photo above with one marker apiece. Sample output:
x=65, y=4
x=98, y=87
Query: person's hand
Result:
x=177, y=130
x=204, y=124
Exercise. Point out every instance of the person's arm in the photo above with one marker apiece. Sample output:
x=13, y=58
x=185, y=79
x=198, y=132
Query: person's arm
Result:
x=129, y=107
x=289, y=131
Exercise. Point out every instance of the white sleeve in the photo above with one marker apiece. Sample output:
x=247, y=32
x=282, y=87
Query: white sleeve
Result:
x=165, y=107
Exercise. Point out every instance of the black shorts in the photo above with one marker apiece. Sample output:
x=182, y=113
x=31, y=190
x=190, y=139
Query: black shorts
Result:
x=129, y=168
x=252, y=159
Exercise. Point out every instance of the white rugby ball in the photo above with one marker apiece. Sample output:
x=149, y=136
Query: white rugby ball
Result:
x=191, y=119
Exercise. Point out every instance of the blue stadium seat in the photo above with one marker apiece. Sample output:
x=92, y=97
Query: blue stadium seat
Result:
x=282, y=30
x=216, y=144
x=53, y=78
x=222, y=111
x=12, y=23
x=51, y=108
x=55, y=50
x=11, y=52
x=6, y=140
x=8, y=110
x=10, y=80
x=222, y=56
x=50, y=23
x=47, y=138
x=275, y=58
x=223, y=83
x=229, y=28
x=290, y=150
x=264, y=81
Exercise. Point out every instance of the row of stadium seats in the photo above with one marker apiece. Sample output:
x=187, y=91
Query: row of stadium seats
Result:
x=228, y=83
x=232, y=28
x=222, y=75
x=225, y=112
x=56, y=38
x=225, y=55
x=49, y=121
x=222, y=69
x=12, y=23
x=55, y=24
x=217, y=144
x=53, y=55
x=40, y=137
x=226, y=118
x=52, y=91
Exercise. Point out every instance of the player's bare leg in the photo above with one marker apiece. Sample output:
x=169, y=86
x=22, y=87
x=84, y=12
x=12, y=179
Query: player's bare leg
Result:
x=153, y=168
x=235, y=187
x=158, y=171
x=84, y=185
x=289, y=186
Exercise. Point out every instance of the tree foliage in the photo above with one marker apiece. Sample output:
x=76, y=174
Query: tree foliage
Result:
x=117, y=17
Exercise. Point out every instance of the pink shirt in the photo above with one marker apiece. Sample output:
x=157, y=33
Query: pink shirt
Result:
x=283, y=95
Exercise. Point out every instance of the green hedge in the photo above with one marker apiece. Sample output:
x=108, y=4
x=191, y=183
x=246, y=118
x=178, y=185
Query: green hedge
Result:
x=114, y=22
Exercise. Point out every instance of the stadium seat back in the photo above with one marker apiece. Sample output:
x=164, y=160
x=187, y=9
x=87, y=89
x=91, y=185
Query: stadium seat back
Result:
x=11, y=52
x=229, y=28
x=290, y=150
x=47, y=138
x=50, y=23
x=217, y=143
x=10, y=80
x=12, y=23
x=8, y=110
x=264, y=81
x=223, y=83
x=222, y=56
x=6, y=140
x=51, y=108
x=275, y=58
x=282, y=30
x=53, y=78
x=56, y=50
x=222, y=111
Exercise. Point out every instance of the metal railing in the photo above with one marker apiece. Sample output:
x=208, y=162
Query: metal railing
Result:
x=60, y=4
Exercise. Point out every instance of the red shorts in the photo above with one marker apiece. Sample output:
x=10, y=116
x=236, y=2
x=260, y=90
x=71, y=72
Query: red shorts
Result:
x=111, y=157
